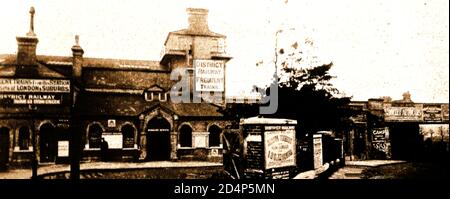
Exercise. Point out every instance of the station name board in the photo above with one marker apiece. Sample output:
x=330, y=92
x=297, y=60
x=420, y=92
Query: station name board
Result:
x=209, y=75
x=32, y=98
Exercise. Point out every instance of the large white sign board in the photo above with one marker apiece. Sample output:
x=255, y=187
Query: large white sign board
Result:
x=63, y=148
x=279, y=145
x=209, y=75
x=114, y=140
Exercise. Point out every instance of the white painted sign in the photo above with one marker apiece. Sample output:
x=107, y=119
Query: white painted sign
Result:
x=200, y=139
x=34, y=85
x=279, y=148
x=209, y=75
x=111, y=123
x=114, y=140
x=317, y=150
x=63, y=148
x=403, y=113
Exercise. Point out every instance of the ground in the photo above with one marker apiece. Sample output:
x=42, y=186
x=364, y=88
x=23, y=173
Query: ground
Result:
x=393, y=170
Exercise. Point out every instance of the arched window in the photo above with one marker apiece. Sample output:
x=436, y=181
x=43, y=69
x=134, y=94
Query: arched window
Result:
x=128, y=135
x=24, y=138
x=185, y=136
x=94, y=136
x=214, y=136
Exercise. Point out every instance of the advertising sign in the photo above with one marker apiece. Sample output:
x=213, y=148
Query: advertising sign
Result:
x=444, y=108
x=41, y=99
x=380, y=138
x=114, y=140
x=413, y=113
x=209, y=75
x=279, y=145
x=34, y=85
x=34, y=91
x=432, y=113
x=63, y=148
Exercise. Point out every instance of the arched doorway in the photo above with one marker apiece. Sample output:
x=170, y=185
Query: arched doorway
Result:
x=48, y=144
x=158, y=139
x=4, y=147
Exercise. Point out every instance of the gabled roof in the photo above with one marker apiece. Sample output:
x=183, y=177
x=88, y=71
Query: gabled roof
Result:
x=156, y=88
x=123, y=64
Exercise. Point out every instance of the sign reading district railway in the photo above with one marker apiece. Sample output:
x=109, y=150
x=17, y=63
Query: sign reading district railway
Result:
x=209, y=75
x=279, y=145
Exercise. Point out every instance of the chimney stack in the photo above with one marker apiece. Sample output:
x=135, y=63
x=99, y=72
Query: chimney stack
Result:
x=198, y=20
x=26, y=54
x=77, y=59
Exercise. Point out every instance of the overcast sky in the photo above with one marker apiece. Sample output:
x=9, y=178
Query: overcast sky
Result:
x=378, y=47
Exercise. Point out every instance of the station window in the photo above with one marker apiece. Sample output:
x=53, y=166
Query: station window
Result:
x=214, y=136
x=94, y=136
x=185, y=136
x=24, y=138
x=128, y=135
x=162, y=97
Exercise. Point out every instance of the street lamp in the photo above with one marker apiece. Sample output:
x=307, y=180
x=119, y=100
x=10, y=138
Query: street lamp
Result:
x=34, y=161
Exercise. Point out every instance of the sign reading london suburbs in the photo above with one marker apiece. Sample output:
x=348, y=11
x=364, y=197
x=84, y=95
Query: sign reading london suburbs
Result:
x=279, y=145
x=34, y=91
x=209, y=75
x=34, y=85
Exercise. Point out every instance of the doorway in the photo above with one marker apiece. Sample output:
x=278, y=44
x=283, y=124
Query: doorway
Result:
x=4, y=147
x=48, y=144
x=158, y=139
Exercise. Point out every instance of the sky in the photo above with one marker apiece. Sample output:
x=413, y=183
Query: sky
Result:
x=378, y=47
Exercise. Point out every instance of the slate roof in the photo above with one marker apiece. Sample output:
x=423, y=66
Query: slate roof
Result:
x=96, y=104
x=62, y=64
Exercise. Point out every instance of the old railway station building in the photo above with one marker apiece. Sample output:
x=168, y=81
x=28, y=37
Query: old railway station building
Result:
x=126, y=102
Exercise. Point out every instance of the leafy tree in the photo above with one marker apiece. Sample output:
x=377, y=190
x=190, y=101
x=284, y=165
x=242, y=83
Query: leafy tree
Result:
x=305, y=92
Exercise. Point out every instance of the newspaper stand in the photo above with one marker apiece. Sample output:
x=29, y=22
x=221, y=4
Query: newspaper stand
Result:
x=269, y=147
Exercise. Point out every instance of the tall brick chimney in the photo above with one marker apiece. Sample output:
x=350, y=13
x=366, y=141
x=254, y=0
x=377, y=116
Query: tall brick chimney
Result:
x=77, y=59
x=26, y=53
x=198, y=20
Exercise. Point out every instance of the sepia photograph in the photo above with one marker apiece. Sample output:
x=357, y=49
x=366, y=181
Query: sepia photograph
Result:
x=224, y=90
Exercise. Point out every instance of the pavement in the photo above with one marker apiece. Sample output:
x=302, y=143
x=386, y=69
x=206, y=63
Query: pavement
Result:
x=351, y=170
x=354, y=169
x=56, y=168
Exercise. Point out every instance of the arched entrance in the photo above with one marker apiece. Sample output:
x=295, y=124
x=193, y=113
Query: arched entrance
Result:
x=4, y=147
x=48, y=144
x=158, y=139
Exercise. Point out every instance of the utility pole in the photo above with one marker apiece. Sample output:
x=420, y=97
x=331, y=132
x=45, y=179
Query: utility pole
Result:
x=34, y=161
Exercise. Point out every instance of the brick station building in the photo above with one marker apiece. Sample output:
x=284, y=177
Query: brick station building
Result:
x=126, y=102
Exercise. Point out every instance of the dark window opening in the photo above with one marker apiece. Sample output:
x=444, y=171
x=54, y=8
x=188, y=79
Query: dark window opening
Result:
x=24, y=138
x=214, y=136
x=185, y=136
x=95, y=136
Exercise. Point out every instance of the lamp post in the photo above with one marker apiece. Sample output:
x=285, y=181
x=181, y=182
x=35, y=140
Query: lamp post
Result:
x=34, y=161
